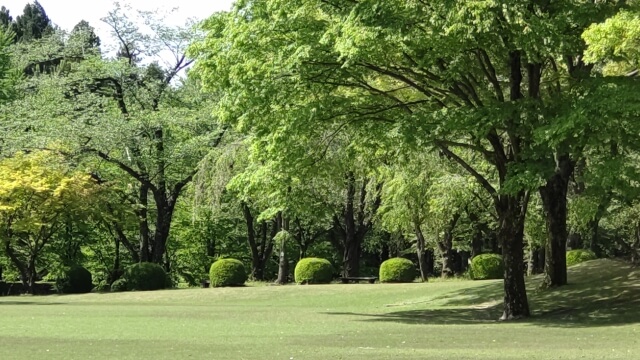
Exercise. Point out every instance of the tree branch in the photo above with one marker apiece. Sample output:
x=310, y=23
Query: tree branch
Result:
x=142, y=178
x=481, y=179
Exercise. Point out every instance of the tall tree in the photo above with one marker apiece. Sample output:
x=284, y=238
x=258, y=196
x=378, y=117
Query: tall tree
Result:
x=33, y=23
x=37, y=192
x=6, y=20
x=490, y=80
x=144, y=121
x=83, y=39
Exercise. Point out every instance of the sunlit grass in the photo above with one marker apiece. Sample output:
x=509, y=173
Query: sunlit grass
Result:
x=596, y=316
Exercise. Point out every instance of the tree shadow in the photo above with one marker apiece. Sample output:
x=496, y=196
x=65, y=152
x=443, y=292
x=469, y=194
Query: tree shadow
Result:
x=29, y=303
x=601, y=293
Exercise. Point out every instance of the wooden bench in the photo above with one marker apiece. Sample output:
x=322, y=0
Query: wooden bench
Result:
x=370, y=279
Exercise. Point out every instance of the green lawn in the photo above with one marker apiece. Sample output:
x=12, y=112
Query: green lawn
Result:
x=596, y=317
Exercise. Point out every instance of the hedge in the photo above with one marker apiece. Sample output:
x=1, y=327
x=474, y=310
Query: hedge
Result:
x=397, y=270
x=313, y=271
x=487, y=266
x=145, y=276
x=227, y=272
x=76, y=280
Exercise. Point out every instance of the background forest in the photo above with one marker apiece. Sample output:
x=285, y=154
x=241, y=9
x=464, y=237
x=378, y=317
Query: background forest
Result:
x=351, y=131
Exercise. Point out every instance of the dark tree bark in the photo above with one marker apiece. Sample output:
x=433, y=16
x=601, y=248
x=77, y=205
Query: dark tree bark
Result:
x=463, y=261
x=446, y=247
x=355, y=224
x=554, y=203
x=535, y=262
x=429, y=260
x=26, y=263
x=305, y=237
x=260, y=243
x=511, y=236
x=165, y=209
x=477, y=239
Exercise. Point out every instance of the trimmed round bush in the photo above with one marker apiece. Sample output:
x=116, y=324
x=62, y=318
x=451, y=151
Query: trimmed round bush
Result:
x=313, y=271
x=119, y=285
x=76, y=280
x=227, y=272
x=145, y=276
x=579, y=255
x=487, y=266
x=397, y=270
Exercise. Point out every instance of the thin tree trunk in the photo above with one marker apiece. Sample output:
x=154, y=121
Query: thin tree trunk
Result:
x=31, y=270
x=635, y=256
x=554, y=201
x=256, y=273
x=115, y=272
x=283, y=264
x=446, y=248
x=122, y=239
x=420, y=249
x=429, y=261
x=143, y=213
x=351, y=254
x=22, y=268
x=535, y=262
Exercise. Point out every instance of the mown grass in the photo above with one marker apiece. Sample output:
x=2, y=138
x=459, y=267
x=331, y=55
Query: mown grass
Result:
x=596, y=317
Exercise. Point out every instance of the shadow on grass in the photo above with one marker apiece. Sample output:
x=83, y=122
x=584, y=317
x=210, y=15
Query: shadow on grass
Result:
x=29, y=303
x=601, y=293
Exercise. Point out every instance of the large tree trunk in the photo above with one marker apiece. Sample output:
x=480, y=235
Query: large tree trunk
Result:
x=511, y=236
x=163, y=226
x=554, y=203
x=420, y=249
x=351, y=256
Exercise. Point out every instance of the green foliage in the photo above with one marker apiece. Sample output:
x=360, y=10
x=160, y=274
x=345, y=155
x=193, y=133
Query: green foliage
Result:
x=40, y=195
x=120, y=285
x=579, y=255
x=102, y=286
x=76, y=280
x=145, y=276
x=487, y=266
x=313, y=271
x=33, y=23
x=227, y=272
x=397, y=270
